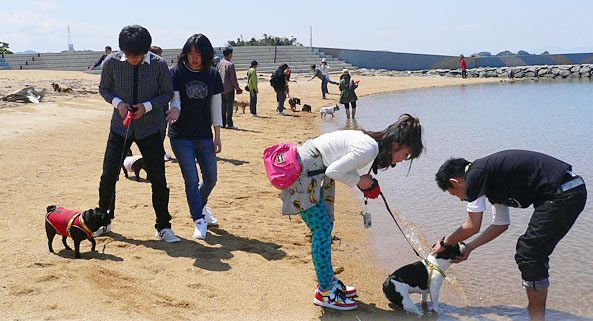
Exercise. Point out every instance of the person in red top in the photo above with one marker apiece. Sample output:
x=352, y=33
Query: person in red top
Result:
x=463, y=66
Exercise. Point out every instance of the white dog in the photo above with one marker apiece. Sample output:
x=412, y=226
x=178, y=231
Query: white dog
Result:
x=324, y=111
x=424, y=277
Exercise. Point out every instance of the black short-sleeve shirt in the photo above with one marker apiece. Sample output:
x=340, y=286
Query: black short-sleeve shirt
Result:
x=516, y=178
x=196, y=89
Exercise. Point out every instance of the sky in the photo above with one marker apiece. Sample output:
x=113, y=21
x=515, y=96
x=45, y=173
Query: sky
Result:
x=447, y=27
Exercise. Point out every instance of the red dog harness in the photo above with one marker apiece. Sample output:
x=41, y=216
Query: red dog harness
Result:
x=63, y=220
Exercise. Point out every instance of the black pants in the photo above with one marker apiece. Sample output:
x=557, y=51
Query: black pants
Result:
x=347, y=105
x=228, y=100
x=548, y=225
x=152, y=151
x=463, y=73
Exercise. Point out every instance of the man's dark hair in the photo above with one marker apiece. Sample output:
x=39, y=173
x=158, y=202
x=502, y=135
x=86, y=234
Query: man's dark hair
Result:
x=227, y=51
x=134, y=40
x=200, y=43
x=283, y=66
x=451, y=168
x=108, y=48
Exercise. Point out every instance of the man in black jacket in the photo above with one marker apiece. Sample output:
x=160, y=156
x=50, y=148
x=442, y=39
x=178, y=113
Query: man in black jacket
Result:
x=516, y=178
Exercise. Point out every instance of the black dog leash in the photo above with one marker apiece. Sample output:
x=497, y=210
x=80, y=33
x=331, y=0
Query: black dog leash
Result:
x=397, y=224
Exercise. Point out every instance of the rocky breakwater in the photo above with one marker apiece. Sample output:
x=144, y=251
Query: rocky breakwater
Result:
x=532, y=72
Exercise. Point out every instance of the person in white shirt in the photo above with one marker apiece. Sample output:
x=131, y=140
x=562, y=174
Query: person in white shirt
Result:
x=338, y=156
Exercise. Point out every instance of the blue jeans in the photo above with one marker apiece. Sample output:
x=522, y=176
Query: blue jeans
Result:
x=187, y=152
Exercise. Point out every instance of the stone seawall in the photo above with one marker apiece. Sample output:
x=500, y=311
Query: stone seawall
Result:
x=544, y=71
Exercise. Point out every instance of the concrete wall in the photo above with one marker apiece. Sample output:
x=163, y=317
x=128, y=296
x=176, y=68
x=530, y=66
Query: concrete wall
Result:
x=409, y=61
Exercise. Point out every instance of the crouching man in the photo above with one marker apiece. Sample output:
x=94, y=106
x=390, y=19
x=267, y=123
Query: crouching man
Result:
x=516, y=178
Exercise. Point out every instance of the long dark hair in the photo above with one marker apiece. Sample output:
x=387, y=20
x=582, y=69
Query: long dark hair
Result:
x=406, y=132
x=201, y=43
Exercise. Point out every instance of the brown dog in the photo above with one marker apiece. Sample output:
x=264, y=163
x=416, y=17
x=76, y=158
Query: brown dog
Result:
x=59, y=89
x=241, y=104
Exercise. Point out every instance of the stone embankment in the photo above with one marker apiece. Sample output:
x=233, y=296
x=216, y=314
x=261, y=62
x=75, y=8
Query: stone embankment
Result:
x=533, y=72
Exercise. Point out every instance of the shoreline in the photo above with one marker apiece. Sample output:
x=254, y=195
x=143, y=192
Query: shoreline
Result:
x=258, y=256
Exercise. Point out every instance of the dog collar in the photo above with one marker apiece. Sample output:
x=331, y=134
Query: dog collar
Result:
x=432, y=267
x=84, y=227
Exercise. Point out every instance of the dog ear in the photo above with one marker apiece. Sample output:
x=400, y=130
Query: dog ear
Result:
x=51, y=208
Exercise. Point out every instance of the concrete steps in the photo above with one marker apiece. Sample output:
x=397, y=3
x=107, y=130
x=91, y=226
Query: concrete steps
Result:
x=269, y=58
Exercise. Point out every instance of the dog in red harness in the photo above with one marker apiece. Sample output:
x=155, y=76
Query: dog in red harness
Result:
x=75, y=224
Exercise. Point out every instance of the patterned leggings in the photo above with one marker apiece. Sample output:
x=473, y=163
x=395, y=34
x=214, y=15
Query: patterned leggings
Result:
x=317, y=220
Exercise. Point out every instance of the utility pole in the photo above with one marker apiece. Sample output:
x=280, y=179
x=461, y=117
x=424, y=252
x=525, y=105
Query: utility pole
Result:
x=311, y=37
x=70, y=45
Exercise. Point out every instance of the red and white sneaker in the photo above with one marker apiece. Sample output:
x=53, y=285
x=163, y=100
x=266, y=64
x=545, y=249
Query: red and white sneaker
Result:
x=349, y=291
x=334, y=299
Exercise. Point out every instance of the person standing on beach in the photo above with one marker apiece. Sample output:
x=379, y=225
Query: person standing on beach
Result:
x=337, y=156
x=229, y=77
x=463, y=66
x=516, y=178
x=317, y=72
x=278, y=82
x=252, y=86
x=100, y=61
x=197, y=93
x=137, y=81
x=347, y=95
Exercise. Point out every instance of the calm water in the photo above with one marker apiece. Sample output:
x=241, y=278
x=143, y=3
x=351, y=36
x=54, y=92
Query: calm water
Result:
x=555, y=118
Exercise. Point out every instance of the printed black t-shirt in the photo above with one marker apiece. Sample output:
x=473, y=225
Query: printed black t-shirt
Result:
x=196, y=89
x=515, y=178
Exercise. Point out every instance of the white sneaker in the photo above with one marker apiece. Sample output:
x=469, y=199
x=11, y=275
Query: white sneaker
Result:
x=200, y=229
x=282, y=113
x=167, y=235
x=209, y=217
x=167, y=157
x=102, y=230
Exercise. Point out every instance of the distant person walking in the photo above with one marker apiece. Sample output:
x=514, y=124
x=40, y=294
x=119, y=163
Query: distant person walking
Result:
x=318, y=73
x=108, y=51
x=278, y=82
x=463, y=66
x=347, y=95
x=229, y=79
x=324, y=67
x=252, y=86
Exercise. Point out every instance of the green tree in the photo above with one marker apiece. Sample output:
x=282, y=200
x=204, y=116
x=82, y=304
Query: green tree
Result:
x=4, y=48
x=267, y=40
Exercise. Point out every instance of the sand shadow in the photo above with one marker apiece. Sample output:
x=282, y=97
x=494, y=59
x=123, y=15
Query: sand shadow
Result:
x=211, y=258
x=235, y=162
x=140, y=180
x=67, y=254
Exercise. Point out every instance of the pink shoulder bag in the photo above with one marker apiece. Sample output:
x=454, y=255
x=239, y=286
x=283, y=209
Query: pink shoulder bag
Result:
x=282, y=164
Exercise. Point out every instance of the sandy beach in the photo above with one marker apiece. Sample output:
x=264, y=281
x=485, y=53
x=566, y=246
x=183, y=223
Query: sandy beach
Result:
x=256, y=266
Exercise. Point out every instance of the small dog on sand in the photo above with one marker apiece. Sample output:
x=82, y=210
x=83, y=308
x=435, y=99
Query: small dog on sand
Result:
x=134, y=164
x=324, y=111
x=293, y=102
x=69, y=223
x=59, y=89
x=306, y=108
x=241, y=104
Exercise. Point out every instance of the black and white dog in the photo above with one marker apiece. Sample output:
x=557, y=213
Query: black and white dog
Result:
x=424, y=277
x=324, y=111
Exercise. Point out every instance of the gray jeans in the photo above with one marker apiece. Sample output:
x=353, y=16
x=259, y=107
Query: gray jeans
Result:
x=280, y=98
